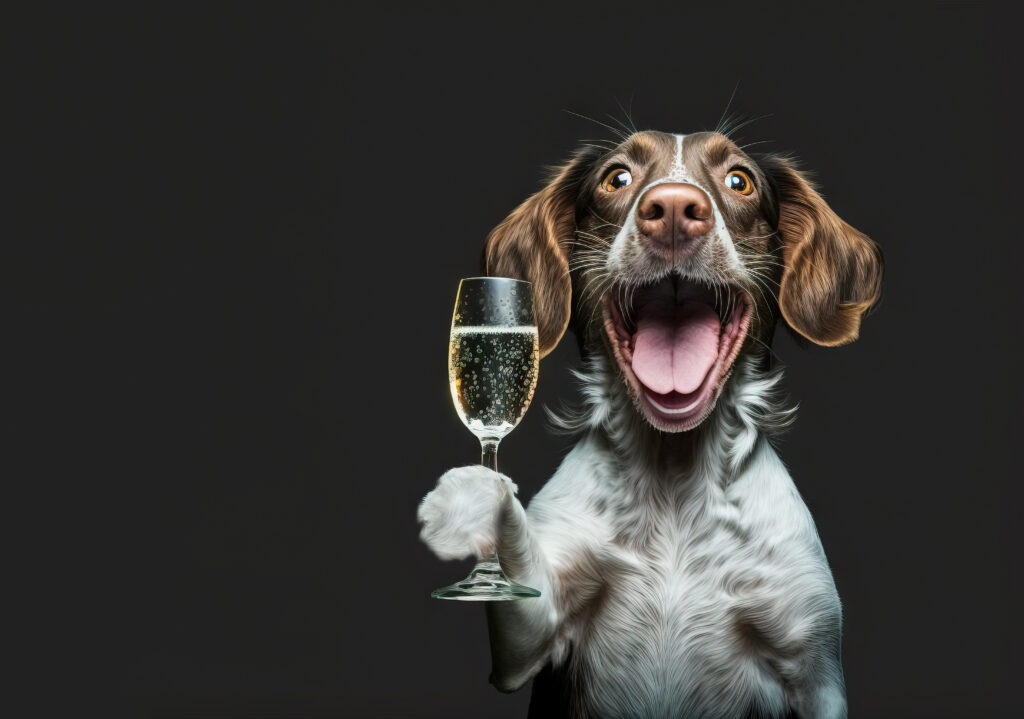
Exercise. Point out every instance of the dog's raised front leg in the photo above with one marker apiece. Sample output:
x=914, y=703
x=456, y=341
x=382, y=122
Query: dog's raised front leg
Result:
x=472, y=511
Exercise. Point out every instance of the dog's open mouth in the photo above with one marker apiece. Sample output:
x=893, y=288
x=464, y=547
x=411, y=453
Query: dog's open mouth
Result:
x=676, y=341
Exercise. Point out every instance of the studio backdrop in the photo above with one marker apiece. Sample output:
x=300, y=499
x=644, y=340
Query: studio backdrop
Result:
x=269, y=210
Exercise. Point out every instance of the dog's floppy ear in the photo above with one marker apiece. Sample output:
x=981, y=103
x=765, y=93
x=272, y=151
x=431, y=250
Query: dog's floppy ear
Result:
x=532, y=244
x=832, y=273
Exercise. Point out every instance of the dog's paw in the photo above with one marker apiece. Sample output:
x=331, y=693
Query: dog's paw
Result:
x=460, y=516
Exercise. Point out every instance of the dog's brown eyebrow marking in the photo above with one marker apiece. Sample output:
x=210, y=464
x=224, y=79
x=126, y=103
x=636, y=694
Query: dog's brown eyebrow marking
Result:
x=640, y=148
x=717, y=149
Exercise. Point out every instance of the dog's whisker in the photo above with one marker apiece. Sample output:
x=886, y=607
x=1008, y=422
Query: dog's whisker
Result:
x=584, y=290
x=744, y=240
x=597, y=304
x=592, y=242
x=594, y=282
x=753, y=303
x=760, y=267
x=580, y=269
x=760, y=283
x=761, y=262
x=592, y=288
x=586, y=255
x=757, y=287
x=582, y=250
x=584, y=261
x=589, y=270
x=729, y=304
x=719, y=125
x=735, y=128
x=601, y=289
x=621, y=124
x=606, y=222
x=586, y=265
x=723, y=125
x=628, y=114
x=759, y=274
x=588, y=235
x=600, y=141
x=756, y=142
x=758, y=263
x=767, y=347
x=630, y=306
x=615, y=131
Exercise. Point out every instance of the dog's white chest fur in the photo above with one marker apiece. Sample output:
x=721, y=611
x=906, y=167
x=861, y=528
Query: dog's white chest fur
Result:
x=696, y=595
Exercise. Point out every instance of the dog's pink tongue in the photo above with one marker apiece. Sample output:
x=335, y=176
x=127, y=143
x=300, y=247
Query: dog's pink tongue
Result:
x=675, y=346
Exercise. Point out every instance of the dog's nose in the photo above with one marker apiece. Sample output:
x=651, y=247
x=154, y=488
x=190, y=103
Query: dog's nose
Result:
x=674, y=215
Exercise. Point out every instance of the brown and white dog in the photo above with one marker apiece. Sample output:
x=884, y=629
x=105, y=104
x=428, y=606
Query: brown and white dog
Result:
x=681, y=573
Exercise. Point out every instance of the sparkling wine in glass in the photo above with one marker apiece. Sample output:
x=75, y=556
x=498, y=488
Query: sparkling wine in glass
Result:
x=493, y=356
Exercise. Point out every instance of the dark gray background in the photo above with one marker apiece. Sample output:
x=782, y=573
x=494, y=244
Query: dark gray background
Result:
x=247, y=225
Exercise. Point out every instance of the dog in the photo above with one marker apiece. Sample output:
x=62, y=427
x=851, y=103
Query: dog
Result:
x=681, y=574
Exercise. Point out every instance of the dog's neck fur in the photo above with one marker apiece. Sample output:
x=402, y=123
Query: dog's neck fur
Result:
x=658, y=480
x=749, y=409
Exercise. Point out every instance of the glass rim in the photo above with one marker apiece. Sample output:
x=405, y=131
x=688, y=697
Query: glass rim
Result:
x=496, y=279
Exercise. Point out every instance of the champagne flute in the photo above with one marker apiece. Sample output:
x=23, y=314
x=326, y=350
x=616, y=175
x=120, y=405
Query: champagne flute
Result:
x=492, y=368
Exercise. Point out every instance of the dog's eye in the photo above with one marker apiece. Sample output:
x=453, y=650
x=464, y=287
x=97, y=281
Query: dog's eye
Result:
x=616, y=179
x=739, y=181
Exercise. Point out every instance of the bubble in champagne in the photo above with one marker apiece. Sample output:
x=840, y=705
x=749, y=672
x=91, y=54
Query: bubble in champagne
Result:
x=492, y=393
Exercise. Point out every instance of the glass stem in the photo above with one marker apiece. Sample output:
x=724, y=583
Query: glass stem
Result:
x=489, y=453
x=489, y=459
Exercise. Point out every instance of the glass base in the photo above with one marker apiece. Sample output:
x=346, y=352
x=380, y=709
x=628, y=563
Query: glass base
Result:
x=486, y=583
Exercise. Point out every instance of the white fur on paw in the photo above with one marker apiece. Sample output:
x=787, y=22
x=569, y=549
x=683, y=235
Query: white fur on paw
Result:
x=460, y=516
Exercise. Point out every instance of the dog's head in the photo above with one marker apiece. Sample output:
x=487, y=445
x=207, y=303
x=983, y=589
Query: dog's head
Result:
x=674, y=254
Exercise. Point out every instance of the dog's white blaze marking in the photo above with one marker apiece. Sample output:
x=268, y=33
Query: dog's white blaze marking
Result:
x=678, y=169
